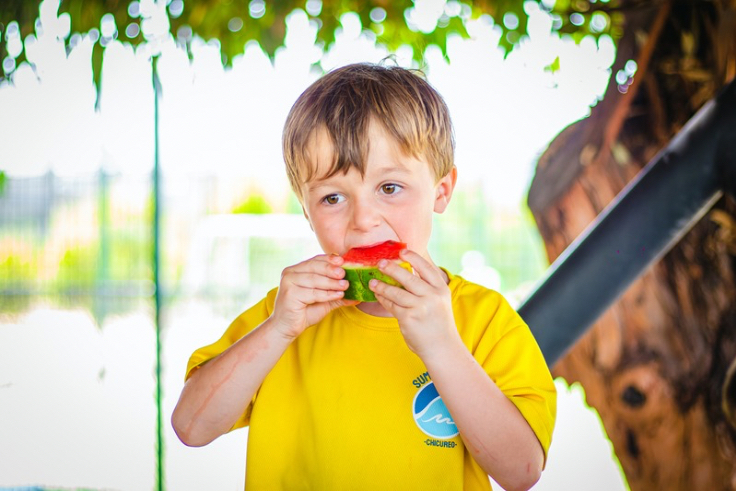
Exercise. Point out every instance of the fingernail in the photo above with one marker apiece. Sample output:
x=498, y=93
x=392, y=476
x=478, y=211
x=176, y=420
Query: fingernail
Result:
x=372, y=284
x=382, y=263
x=344, y=283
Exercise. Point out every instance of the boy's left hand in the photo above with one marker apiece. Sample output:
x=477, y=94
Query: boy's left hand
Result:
x=423, y=308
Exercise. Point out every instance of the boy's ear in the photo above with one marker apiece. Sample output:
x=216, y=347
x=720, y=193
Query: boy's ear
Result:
x=445, y=186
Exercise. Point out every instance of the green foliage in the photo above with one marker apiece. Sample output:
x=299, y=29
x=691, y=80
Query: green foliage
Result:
x=15, y=268
x=509, y=242
x=3, y=180
x=16, y=273
x=554, y=66
x=131, y=255
x=77, y=268
x=293, y=205
x=255, y=204
x=83, y=277
x=233, y=23
x=518, y=250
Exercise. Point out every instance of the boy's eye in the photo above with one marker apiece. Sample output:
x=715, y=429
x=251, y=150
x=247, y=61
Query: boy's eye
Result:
x=332, y=199
x=390, y=188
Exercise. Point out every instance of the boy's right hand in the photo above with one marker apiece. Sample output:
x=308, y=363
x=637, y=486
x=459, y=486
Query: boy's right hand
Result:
x=308, y=292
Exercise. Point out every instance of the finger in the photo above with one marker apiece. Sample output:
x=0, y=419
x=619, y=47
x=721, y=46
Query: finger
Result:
x=424, y=268
x=408, y=280
x=317, y=311
x=319, y=281
x=335, y=259
x=393, y=308
x=325, y=258
x=386, y=304
x=397, y=296
x=310, y=296
x=319, y=264
x=334, y=304
x=347, y=303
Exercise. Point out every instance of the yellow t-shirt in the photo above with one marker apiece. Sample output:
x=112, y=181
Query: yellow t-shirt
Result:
x=349, y=406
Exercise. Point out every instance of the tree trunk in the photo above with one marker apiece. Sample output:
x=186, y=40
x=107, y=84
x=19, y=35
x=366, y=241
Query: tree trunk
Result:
x=655, y=363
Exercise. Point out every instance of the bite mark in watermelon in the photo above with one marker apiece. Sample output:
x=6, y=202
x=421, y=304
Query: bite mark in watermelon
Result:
x=361, y=266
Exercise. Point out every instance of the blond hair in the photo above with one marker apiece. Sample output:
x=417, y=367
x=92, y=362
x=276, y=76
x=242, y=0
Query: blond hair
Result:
x=346, y=100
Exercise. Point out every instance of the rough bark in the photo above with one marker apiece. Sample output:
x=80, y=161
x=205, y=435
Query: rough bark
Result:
x=655, y=363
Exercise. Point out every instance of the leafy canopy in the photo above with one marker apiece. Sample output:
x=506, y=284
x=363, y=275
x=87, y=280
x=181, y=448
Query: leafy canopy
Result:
x=235, y=22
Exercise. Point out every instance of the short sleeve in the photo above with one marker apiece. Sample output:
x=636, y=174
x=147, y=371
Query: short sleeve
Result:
x=504, y=346
x=242, y=325
x=517, y=366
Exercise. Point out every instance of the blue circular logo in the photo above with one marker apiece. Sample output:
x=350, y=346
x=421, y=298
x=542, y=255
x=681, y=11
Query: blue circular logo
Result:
x=431, y=414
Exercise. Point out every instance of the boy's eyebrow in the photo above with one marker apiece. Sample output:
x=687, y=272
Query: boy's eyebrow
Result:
x=316, y=184
x=388, y=169
x=393, y=168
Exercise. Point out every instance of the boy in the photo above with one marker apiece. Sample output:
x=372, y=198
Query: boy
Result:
x=436, y=385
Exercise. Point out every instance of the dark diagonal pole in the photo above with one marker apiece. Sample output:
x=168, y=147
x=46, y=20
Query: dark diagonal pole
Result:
x=642, y=224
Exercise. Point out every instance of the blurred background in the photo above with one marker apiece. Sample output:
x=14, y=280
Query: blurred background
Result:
x=141, y=210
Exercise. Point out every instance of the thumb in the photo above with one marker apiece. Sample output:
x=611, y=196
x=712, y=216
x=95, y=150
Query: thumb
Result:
x=343, y=303
x=317, y=312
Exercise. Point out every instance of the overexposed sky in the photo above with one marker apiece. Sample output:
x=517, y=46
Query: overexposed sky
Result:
x=219, y=120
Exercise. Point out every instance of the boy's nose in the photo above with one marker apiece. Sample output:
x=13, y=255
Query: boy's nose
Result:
x=365, y=215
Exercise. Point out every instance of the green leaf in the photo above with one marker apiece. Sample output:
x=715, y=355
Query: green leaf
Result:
x=554, y=66
x=255, y=204
x=97, y=71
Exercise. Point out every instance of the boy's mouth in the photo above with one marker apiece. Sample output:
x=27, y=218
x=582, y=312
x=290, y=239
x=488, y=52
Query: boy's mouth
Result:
x=373, y=244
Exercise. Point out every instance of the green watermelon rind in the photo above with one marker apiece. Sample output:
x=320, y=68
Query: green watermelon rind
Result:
x=359, y=278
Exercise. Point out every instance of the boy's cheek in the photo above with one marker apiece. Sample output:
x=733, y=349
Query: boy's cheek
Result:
x=330, y=238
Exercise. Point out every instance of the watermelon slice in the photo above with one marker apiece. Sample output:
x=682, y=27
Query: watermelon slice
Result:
x=361, y=265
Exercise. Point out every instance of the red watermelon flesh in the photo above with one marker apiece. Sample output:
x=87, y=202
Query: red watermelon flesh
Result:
x=361, y=266
x=372, y=254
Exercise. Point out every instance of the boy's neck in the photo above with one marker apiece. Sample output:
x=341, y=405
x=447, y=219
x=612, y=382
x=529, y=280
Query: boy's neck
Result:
x=373, y=308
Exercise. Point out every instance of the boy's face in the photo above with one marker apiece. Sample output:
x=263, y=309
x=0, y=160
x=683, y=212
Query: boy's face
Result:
x=395, y=199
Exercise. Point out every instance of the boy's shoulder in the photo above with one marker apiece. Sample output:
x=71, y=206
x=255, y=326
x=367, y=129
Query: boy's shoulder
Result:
x=250, y=318
x=465, y=290
x=481, y=307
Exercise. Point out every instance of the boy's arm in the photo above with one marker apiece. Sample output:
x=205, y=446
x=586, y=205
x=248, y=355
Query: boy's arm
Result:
x=216, y=395
x=492, y=428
